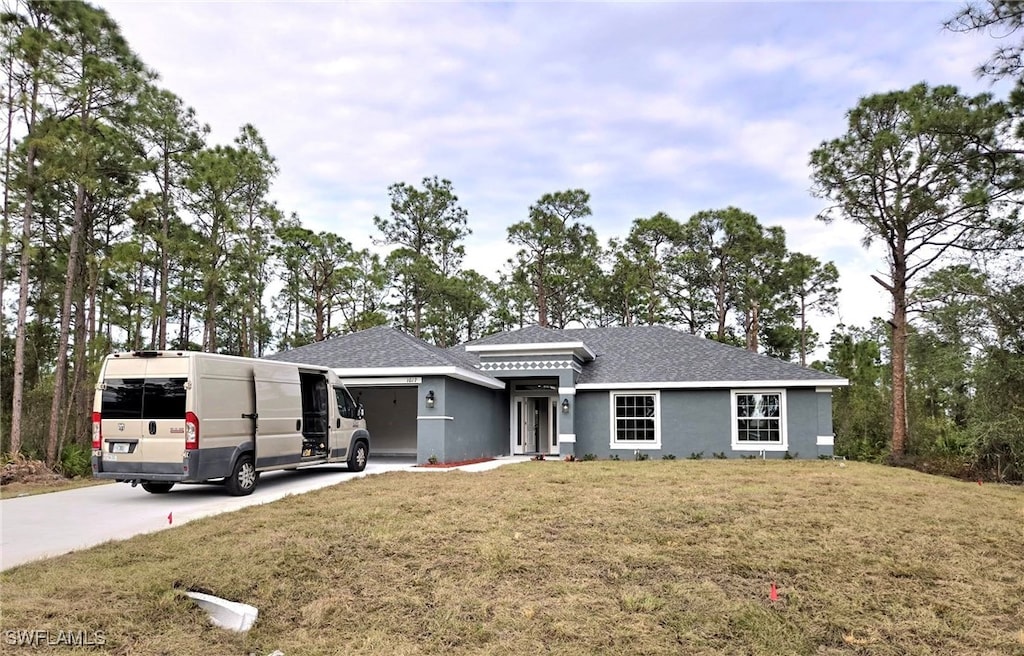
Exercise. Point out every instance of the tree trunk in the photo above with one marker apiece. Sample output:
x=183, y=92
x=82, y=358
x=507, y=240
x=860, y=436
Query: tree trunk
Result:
x=753, y=326
x=803, y=331
x=542, y=294
x=165, y=260
x=61, y=370
x=18, y=391
x=5, y=228
x=899, y=358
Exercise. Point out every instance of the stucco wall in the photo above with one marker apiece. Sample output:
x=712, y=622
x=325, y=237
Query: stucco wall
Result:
x=480, y=428
x=466, y=422
x=699, y=422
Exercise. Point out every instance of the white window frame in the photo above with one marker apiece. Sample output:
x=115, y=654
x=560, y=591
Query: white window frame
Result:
x=734, y=418
x=614, y=442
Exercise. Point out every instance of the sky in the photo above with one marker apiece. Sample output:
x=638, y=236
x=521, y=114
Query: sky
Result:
x=672, y=107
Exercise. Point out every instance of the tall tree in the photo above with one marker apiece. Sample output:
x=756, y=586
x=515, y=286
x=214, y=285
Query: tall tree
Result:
x=814, y=285
x=106, y=76
x=171, y=136
x=558, y=256
x=923, y=172
x=427, y=227
x=740, y=262
x=214, y=183
x=35, y=60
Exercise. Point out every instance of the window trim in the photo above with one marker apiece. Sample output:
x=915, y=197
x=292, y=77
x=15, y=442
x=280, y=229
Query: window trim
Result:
x=734, y=427
x=613, y=440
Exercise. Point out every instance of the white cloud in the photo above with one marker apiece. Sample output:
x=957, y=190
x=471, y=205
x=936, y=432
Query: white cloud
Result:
x=672, y=107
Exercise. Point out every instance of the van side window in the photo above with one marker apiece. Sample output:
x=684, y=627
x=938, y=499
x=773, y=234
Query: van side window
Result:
x=346, y=408
x=149, y=398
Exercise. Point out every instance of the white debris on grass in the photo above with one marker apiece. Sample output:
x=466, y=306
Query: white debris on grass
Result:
x=230, y=615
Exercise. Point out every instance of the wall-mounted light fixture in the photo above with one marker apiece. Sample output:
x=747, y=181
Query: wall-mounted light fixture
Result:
x=565, y=406
x=430, y=399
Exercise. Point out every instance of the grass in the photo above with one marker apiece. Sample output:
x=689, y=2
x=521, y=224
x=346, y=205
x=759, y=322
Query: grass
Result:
x=19, y=489
x=657, y=557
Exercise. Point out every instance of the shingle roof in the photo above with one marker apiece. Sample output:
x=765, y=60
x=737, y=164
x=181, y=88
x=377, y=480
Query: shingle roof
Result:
x=381, y=346
x=632, y=354
x=527, y=335
x=647, y=354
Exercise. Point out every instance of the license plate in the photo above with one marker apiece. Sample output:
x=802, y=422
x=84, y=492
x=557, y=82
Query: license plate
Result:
x=119, y=447
x=111, y=457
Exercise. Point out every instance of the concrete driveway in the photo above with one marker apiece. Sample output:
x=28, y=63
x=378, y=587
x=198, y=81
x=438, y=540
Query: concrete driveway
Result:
x=46, y=525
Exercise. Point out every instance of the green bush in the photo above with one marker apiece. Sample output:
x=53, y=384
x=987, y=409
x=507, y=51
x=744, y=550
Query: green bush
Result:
x=76, y=460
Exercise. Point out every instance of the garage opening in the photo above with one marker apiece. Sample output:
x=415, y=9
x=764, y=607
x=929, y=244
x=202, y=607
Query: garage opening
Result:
x=390, y=417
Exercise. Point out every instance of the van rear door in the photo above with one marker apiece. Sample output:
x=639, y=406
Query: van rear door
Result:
x=278, y=415
x=143, y=411
x=121, y=416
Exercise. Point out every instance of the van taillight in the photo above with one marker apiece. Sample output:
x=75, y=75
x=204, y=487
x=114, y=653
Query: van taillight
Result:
x=97, y=431
x=191, y=431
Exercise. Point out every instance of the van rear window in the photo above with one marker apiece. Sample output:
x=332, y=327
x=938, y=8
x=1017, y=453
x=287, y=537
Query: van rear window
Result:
x=149, y=398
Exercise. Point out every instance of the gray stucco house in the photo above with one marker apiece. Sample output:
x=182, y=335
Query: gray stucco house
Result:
x=601, y=391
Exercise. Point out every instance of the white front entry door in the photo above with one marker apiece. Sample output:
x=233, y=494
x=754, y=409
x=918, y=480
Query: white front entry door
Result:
x=534, y=424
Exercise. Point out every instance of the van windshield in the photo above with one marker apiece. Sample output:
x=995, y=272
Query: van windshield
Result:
x=144, y=398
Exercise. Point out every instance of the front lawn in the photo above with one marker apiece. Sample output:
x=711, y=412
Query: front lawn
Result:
x=656, y=557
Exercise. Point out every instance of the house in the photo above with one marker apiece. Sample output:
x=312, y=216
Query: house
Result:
x=604, y=391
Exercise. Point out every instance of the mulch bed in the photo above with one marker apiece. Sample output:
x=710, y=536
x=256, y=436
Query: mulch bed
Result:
x=458, y=463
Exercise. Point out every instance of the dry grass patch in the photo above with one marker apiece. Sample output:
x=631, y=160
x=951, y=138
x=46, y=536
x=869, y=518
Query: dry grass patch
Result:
x=569, y=558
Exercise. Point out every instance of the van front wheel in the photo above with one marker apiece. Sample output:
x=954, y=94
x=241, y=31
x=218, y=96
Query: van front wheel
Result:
x=357, y=459
x=243, y=477
x=156, y=487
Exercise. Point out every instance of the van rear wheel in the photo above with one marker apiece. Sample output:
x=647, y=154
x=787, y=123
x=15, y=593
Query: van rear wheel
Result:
x=357, y=459
x=243, y=477
x=156, y=487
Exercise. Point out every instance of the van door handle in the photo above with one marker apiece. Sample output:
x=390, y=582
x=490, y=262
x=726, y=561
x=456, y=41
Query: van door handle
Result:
x=152, y=428
x=248, y=415
x=298, y=424
x=339, y=422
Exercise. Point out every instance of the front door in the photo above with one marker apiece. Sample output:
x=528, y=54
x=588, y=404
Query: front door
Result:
x=533, y=425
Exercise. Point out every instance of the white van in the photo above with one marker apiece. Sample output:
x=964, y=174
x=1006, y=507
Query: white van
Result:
x=166, y=417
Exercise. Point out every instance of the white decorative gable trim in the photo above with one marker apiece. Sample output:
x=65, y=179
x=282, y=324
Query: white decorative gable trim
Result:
x=529, y=365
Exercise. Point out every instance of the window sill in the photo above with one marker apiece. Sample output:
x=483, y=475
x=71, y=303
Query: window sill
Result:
x=633, y=446
x=760, y=446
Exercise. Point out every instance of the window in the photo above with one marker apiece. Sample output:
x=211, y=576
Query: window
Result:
x=636, y=421
x=759, y=420
x=138, y=398
x=346, y=406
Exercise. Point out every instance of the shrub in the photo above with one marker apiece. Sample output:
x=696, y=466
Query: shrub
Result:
x=697, y=456
x=76, y=460
x=720, y=455
x=668, y=456
x=589, y=456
